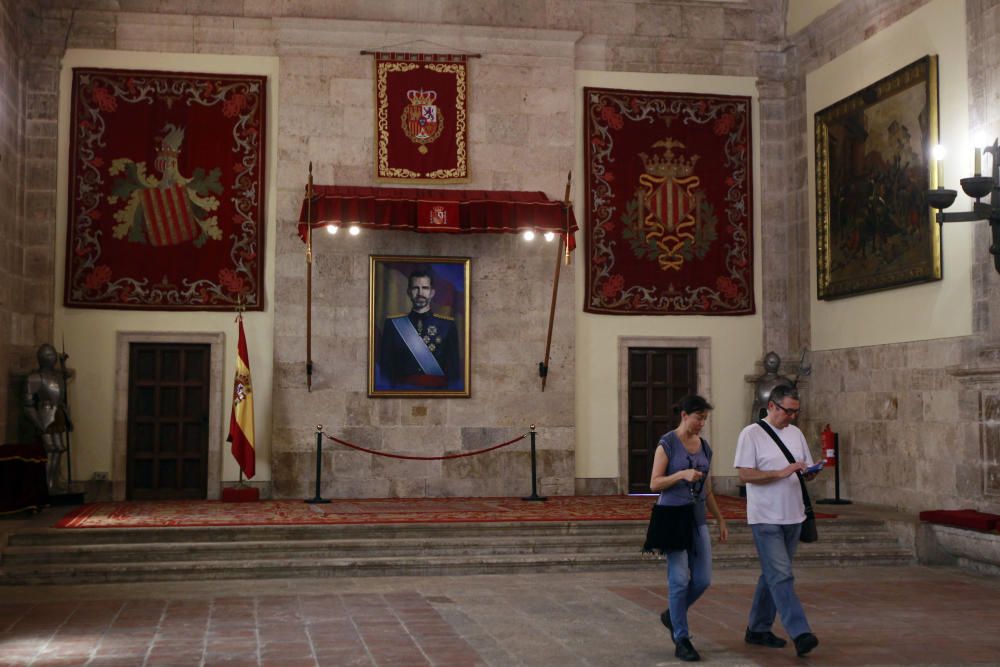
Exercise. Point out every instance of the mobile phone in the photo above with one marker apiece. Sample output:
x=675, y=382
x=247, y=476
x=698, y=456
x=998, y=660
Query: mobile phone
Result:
x=814, y=468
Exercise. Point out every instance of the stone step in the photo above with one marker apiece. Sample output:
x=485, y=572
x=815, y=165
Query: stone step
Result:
x=205, y=553
x=470, y=545
x=228, y=534
x=404, y=566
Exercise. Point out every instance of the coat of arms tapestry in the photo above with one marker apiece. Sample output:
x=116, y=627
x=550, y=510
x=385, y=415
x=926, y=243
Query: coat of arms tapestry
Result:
x=166, y=191
x=669, y=203
x=420, y=118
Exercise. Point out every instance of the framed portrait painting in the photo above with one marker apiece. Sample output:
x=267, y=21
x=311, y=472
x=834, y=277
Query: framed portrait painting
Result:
x=418, y=326
x=874, y=228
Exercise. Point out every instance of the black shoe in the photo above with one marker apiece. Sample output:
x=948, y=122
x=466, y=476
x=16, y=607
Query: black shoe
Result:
x=685, y=651
x=805, y=642
x=665, y=619
x=767, y=638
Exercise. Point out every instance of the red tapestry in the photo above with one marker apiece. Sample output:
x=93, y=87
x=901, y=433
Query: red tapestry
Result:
x=669, y=214
x=166, y=191
x=420, y=118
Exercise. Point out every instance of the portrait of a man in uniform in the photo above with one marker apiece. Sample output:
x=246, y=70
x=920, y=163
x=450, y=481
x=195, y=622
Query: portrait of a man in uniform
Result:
x=419, y=327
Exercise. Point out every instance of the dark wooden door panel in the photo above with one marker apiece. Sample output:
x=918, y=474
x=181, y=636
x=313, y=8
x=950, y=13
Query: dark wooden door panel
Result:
x=168, y=421
x=658, y=379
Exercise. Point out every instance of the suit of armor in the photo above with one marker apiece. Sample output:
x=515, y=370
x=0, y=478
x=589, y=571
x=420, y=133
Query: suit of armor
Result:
x=45, y=406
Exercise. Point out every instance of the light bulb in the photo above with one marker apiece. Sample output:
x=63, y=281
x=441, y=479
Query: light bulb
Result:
x=528, y=235
x=354, y=230
x=550, y=236
x=938, y=152
x=332, y=229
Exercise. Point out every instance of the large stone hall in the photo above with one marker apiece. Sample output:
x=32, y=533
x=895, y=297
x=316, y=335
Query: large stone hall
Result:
x=368, y=317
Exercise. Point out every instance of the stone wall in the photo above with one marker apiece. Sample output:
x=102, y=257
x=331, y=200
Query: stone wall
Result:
x=12, y=305
x=918, y=421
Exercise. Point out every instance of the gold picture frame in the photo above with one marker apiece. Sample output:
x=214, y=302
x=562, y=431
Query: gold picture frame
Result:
x=418, y=327
x=874, y=228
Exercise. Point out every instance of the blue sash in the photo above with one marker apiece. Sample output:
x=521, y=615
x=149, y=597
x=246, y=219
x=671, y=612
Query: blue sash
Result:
x=416, y=345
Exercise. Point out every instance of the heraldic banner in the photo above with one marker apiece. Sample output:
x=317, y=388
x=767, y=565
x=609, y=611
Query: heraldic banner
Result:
x=420, y=118
x=669, y=203
x=166, y=191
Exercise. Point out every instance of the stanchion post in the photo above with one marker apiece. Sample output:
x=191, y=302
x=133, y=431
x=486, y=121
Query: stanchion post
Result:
x=836, y=500
x=534, y=467
x=319, y=467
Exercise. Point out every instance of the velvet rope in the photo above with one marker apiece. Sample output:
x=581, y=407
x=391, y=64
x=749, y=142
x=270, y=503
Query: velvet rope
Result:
x=424, y=458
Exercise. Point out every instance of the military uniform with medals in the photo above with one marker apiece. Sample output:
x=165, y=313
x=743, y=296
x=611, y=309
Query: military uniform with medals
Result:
x=404, y=361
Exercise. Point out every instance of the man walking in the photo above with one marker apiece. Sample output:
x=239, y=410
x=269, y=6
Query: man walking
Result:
x=775, y=512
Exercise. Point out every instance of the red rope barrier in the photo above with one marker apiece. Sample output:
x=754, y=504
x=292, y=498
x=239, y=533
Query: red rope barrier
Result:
x=424, y=458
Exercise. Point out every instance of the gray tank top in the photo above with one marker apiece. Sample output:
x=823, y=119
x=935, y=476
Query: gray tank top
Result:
x=678, y=458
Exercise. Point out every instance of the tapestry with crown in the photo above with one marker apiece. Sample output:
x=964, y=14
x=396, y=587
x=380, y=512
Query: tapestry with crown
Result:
x=669, y=203
x=166, y=191
x=420, y=118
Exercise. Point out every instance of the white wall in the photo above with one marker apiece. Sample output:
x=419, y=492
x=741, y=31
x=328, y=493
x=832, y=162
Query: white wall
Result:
x=736, y=341
x=938, y=309
x=90, y=333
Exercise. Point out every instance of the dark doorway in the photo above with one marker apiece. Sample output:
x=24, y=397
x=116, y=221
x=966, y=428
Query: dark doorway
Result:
x=168, y=390
x=657, y=379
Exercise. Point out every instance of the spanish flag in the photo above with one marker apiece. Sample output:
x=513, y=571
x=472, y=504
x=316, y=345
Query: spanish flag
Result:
x=241, y=421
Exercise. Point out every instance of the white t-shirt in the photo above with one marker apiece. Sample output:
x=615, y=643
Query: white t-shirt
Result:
x=780, y=501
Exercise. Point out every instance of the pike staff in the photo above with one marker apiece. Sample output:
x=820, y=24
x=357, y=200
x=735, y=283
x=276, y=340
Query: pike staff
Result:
x=69, y=424
x=543, y=367
x=309, y=276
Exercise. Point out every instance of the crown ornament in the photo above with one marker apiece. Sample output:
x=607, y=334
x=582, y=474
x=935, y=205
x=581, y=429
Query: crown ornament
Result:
x=421, y=97
x=667, y=164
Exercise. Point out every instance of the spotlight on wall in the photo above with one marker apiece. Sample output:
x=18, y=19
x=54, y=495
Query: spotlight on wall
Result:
x=332, y=229
x=976, y=186
x=550, y=236
x=354, y=230
x=528, y=235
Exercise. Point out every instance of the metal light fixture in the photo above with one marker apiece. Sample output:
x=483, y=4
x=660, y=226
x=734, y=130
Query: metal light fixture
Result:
x=976, y=186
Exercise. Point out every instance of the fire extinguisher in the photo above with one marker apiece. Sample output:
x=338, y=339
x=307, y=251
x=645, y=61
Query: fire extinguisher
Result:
x=829, y=440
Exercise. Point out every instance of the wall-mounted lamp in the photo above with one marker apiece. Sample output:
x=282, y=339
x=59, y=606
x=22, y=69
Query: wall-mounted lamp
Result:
x=528, y=235
x=550, y=236
x=332, y=229
x=976, y=186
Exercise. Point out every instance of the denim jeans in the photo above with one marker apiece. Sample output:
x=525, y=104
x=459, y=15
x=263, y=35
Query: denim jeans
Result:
x=689, y=574
x=776, y=546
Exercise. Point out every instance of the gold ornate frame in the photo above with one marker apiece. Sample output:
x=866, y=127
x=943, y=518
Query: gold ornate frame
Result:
x=874, y=229
x=388, y=281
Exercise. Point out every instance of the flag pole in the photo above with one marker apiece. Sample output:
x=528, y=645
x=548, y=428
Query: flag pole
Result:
x=543, y=367
x=309, y=263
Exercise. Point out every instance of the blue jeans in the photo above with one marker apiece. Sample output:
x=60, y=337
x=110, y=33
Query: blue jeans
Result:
x=776, y=545
x=689, y=574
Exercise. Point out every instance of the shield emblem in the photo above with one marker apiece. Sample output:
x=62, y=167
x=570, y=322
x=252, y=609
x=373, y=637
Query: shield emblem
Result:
x=168, y=216
x=672, y=200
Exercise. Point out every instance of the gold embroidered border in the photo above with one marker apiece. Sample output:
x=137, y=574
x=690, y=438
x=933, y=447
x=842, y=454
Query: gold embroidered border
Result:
x=385, y=173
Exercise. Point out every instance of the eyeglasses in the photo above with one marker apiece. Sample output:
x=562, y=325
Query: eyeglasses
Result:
x=788, y=411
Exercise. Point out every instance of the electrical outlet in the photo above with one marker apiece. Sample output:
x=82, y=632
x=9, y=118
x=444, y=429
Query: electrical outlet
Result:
x=100, y=477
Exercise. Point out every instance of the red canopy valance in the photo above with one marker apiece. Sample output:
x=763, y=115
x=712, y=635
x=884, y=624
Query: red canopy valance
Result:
x=429, y=210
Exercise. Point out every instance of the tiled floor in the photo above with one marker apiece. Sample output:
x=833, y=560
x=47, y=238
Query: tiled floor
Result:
x=863, y=616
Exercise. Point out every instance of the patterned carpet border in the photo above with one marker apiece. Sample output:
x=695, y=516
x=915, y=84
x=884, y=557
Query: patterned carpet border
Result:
x=195, y=513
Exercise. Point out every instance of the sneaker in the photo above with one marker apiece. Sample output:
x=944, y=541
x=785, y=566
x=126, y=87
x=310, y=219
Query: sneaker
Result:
x=767, y=638
x=665, y=619
x=685, y=651
x=804, y=643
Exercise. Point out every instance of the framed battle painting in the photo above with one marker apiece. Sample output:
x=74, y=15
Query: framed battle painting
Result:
x=874, y=229
x=166, y=191
x=418, y=327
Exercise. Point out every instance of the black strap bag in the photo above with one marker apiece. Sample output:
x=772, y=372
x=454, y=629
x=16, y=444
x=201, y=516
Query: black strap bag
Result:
x=808, y=533
x=671, y=528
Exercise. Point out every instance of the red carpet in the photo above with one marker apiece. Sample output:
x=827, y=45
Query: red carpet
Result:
x=180, y=513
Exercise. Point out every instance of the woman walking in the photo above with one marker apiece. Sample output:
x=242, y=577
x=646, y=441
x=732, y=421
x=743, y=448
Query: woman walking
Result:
x=680, y=475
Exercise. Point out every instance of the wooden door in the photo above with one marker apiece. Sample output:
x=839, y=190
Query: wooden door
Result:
x=657, y=379
x=168, y=421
